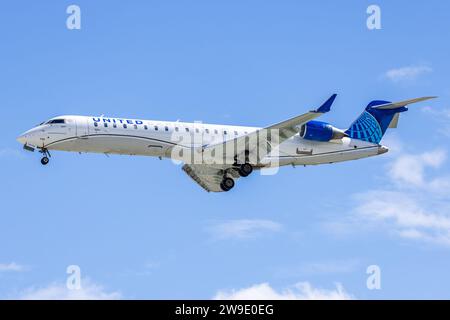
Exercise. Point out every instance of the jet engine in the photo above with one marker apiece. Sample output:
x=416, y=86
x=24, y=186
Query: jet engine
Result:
x=320, y=131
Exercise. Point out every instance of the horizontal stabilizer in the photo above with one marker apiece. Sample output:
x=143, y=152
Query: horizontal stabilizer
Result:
x=396, y=105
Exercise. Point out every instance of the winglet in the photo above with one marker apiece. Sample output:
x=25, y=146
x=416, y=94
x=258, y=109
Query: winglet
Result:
x=326, y=106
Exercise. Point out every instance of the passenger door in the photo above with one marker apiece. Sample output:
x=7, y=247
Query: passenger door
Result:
x=82, y=127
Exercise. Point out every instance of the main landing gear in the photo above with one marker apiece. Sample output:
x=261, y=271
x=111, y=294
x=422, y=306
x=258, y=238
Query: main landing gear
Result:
x=45, y=159
x=227, y=184
x=245, y=169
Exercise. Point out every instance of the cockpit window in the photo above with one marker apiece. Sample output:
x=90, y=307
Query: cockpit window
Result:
x=56, y=121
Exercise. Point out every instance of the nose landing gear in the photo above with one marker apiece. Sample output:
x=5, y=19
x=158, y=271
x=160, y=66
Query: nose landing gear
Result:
x=45, y=159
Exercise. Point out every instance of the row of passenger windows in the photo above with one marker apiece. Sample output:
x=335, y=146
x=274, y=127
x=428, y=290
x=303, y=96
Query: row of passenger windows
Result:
x=166, y=128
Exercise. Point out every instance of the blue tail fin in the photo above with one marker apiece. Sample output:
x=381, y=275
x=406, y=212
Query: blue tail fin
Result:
x=373, y=122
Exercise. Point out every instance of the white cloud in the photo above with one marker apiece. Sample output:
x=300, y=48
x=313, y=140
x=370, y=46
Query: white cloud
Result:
x=413, y=205
x=408, y=169
x=440, y=185
x=321, y=267
x=59, y=291
x=244, y=228
x=441, y=112
x=442, y=117
x=11, y=267
x=382, y=205
x=405, y=214
x=408, y=73
x=300, y=291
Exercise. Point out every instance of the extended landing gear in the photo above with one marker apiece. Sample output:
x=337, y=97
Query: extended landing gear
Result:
x=245, y=169
x=227, y=184
x=45, y=159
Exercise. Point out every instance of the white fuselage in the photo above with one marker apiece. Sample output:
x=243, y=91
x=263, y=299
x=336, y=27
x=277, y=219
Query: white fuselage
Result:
x=156, y=138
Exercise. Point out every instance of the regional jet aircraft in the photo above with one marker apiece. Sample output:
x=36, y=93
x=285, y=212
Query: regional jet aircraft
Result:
x=215, y=156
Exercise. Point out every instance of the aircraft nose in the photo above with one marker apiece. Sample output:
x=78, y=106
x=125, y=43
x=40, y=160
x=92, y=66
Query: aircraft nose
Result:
x=382, y=149
x=22, y=138
x=26, y=137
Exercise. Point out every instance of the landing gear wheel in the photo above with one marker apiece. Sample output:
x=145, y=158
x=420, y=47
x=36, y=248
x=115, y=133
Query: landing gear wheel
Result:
x=227, y=184
x=45, y=161
x=245, y=169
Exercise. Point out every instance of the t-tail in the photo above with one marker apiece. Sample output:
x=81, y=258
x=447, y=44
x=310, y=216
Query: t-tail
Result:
x=378, y=116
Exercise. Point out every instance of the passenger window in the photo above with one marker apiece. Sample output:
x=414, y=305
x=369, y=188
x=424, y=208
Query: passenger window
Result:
x=207, y=130
x=187, y=129
x=166, y=128
x=114, y=125
x=224, y=131
x=156, y=128
x=124, y=125
x=176, y=129
x=196, y=130
x=145, y=127
x=105, y=125
x=95, y=124
x=216, y=132
x=135, y=126
x=235, y=133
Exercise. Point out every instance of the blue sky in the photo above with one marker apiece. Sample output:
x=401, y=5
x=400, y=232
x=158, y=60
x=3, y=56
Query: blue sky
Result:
x=140, y=228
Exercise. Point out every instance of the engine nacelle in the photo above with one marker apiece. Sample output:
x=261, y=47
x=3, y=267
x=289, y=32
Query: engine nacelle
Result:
x=320, y=131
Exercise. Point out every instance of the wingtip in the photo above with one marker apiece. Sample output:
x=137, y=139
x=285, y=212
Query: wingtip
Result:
x=427, y=98
x=424, y=99
x=326, y=106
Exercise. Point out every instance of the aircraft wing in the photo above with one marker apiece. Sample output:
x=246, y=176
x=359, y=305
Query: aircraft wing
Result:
x=286, y=129
x=210, y=176
x=207, y=176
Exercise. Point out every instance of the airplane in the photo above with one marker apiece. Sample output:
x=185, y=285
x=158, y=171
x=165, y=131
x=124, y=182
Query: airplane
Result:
x=215, y=156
